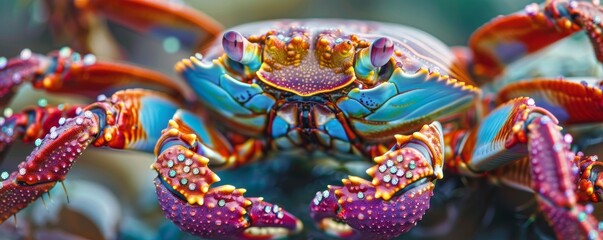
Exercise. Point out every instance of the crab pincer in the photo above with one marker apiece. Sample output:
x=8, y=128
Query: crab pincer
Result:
x=396, y=198
x=184, y=193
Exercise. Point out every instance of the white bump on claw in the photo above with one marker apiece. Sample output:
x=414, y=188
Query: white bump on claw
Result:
x=25, y=54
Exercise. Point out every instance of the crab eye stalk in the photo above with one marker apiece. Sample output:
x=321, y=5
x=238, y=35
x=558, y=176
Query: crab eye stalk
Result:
x=239, y=49
x=369, y=60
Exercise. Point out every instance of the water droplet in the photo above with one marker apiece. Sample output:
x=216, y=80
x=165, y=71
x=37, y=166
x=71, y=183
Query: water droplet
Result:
x=89, y=59
x=360, y=195
x=3, y=62
x=4, y=175
x=221, y=203
x=25, y=54
x=180, y=157
x=8, y=112
x=172, y=173
x=325, y=193
x=64, y=52
x=387, y=178
x=581, y=216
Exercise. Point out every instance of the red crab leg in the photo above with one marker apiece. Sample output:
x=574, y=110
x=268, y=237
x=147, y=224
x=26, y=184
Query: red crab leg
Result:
x=570, y=101
x=128, y=120
x=164, y=18
x=396, y=198
x=31, y=124
x=510, y=133
x=508, y=38
x=184, y=181
x=66, y=71
x=590, y=180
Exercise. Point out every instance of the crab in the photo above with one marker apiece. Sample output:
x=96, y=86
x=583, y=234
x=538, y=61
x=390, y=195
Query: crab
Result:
x=384, y=94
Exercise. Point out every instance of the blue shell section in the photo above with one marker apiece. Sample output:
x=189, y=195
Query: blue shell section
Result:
x=489, y=152
x=245, y=104
x=405, y=101
x=198, y=125
x=154, y=114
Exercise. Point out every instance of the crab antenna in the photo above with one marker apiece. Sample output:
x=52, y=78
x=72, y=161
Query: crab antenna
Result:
x=239, y=49
x=370, y=59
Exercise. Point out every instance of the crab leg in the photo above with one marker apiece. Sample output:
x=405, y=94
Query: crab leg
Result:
x=570, y=101
x=509, y=38
x=184, y=151
x=66, y=71
x=529, y=131
x=396, y=198
x=128, y=120
x=33, y=123
x=163, y=18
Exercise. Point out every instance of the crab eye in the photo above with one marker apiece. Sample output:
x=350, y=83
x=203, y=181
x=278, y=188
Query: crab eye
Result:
x=240, y=50
x=381, y=51
x=371, y=62
x=233, y=45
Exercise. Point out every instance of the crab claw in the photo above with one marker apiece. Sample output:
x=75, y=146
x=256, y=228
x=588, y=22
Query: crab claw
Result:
x=221, y=212
x=394, y=201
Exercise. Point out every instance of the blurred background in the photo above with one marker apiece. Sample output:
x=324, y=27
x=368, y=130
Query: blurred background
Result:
x=111, y=192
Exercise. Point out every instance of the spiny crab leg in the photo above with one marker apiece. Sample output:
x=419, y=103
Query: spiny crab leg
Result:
x=509, y=38
x=184, y=192
x=519, y=129
x=33, y=123
x=113, y=122
x=66, y=71
x=163, y=18
x=396, y=198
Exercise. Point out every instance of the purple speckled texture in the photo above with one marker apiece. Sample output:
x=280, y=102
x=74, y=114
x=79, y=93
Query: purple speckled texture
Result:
x=203, y=220
x=47, y=164
x=555, y=182
x=372, y=217
x=213, y=212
